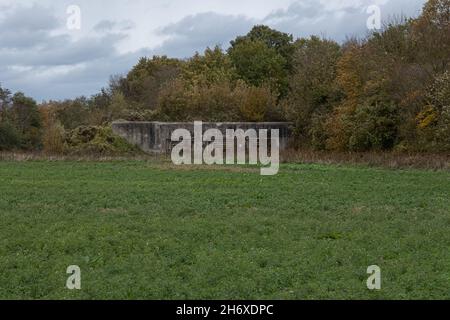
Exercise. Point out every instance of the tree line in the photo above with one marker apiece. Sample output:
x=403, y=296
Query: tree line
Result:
x=388, y=91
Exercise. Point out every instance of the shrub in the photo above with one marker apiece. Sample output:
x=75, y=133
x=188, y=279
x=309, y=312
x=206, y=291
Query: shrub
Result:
x=216, y=102
x=9, y=137
x=318, y=132
x=98, y=141
x=433, y=122
x=256, y=102
x=373, y=127
x=53, y=138
x=25, y=117
x=53, y=133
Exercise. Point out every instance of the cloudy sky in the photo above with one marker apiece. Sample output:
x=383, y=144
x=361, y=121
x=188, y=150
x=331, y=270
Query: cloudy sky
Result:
x=42, y=56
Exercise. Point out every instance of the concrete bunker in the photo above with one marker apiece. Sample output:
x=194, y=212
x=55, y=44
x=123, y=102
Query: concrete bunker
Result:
x=155, y=137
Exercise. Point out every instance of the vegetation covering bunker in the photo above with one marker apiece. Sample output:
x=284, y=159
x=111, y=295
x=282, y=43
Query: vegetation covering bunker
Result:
x=155, y=137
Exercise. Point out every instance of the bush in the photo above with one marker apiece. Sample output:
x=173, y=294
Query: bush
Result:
x=373, y=127
x=53, y=138
x=24, y=116
x=215, y=102
x=9, y=137
x=256, y=103
x=433, y=122
x=318, y=132
x=366, y=127
x=98, y=141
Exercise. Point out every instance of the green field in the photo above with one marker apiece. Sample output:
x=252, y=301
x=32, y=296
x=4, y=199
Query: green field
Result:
x=151, y=231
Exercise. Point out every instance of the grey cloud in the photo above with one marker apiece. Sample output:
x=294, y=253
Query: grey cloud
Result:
x=307, y=17
x=196, y=32
x=108, y=26
x=86, y=49
x=83, y=79
x=105, y=25
x=297, y=10
x=32, y=19
x=302, y=18
x=45, y=64
x=26, y=27
x=12, y=39
x=191, y=34
x=62, y=50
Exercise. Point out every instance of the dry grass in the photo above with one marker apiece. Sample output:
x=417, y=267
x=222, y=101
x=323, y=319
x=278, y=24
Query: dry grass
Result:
x=376, y=159
x=42, y=156
x=156, y=160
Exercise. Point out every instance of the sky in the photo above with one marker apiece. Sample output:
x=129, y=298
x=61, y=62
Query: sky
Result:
x=60, y=49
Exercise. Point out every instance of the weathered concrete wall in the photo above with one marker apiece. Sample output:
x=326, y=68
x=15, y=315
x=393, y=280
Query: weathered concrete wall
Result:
x=143, y=134
x=155, y=137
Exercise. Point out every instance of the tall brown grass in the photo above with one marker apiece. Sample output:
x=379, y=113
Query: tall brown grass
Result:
x=374, y=159
x=394, y=160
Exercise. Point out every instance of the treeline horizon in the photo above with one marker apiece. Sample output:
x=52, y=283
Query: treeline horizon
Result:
x=388, y=91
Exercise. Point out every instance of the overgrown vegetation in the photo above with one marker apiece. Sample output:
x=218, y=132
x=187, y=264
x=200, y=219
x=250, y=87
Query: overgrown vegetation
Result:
x=389, y=91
